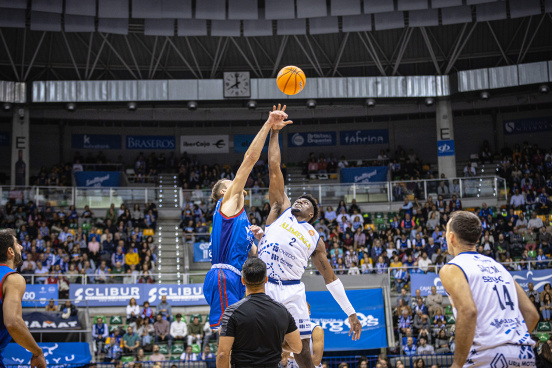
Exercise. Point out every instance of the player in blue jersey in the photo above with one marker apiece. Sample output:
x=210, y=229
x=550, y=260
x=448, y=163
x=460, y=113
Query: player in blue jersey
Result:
x=12, y=288
x=231, y=237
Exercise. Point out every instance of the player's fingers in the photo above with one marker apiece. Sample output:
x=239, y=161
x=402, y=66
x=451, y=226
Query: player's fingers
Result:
x=284, y=108
x=273, y=107
x=287, y=122
x=279, y=106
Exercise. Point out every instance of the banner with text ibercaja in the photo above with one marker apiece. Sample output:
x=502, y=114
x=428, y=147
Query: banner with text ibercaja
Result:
x=113, y=295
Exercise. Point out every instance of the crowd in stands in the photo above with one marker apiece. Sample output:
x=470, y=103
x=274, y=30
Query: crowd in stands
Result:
x=153, y=334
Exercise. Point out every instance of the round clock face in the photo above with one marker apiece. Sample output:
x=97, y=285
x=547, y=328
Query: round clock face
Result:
x=236, y=84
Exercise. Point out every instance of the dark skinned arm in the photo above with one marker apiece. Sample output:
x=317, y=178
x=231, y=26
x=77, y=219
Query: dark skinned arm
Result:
x=279, y=202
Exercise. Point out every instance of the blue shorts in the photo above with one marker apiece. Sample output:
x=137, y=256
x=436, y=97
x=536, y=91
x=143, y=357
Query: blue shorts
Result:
x=221, y=288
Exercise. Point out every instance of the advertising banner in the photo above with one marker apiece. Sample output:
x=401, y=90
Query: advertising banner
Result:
x=524, y=126
x=57, y=354
x=42, y=293
x=95, y=141
x=368, y=174
x=97, y=178
x=445, y=148
x=112, y=295
x=198, y=144
x=151, y=142
x=312, y=139
x=243, y=141
x=326, y=313
x=424, y=282
x=355, y=137
x=201, y=252
x=50, y=320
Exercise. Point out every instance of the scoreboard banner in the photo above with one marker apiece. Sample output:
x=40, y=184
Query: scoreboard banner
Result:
x=326, y=313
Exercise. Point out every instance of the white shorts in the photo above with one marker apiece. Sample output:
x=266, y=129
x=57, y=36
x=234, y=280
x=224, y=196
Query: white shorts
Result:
x=293, y=297
x=502, y=357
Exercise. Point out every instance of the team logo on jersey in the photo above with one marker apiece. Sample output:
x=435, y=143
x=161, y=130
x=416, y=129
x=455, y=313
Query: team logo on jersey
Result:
x=311, y=232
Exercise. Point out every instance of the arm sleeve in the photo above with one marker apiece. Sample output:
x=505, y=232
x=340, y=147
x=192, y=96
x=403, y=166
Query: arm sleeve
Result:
x=228, y=326
x=291, y=323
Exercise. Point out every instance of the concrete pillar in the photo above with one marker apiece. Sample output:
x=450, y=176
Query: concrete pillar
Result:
x=446, y=156
x=20, y=147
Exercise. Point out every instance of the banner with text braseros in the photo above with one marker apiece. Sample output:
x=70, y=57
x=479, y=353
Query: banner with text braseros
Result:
x=151, y=142
x=97, y=178
x=113, y=295
x=368, y=174
x=201, y=252
x=368, y=304
x=356, y=137
x=57, y=354
x=198, y=144
x=424, y=282
x=50, y=320
x=41, y=294
x=312, y=139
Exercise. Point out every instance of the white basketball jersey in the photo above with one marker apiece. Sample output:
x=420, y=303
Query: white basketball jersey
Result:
x=499, y=320
x=287, y=246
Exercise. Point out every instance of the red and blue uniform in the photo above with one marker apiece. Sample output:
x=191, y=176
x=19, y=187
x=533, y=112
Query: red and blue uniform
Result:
x=230, y=243
x=5, y=337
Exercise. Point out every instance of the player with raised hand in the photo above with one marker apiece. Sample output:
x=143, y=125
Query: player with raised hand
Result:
x=288, y=243
x=231, y=237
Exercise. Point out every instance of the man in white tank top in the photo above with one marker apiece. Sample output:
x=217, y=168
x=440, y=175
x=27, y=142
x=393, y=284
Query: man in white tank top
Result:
x=494, y=316
x=288, y=243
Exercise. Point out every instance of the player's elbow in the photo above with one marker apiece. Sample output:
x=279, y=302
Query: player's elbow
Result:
x=11, y=323
x=469, y=313
x=296, y=347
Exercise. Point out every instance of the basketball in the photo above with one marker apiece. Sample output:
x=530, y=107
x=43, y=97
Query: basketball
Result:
x=291, y=80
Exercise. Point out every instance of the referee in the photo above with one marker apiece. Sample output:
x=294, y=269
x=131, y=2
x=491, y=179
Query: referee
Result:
x=256, y=328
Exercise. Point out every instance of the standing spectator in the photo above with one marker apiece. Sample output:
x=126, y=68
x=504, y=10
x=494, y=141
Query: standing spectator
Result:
x=100, y=332
x=188, y=355
x=164, y=309
x=434, y=301
x=157, y=356
x=162, y=331
x=195, y=332
x=179, y=330
x=131, y=342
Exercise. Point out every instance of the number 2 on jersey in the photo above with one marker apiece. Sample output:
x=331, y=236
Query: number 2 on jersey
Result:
x=292, y=242
x=507, y=299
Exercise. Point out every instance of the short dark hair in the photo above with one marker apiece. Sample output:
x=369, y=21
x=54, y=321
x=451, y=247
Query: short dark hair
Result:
x=254, y=271
x=215, y=193
x=314, y=203
x=6, y=241
x=466, y=226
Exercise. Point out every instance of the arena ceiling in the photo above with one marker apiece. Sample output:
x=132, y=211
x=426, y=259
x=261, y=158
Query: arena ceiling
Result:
x=183, y=39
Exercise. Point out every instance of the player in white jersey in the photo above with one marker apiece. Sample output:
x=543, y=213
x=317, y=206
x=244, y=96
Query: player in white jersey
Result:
x=288, y=243
x=493, y=314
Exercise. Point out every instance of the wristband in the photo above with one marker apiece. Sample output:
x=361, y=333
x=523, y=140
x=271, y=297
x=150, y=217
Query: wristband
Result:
x=338, y=292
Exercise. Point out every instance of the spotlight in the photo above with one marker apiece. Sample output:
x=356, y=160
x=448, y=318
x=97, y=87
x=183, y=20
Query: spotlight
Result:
x=71, y=106
x=543, y=88
x=311, y=104
x=485, y=95
x=370, y=102
x=252, y=105
x=192, y=105
x=429, y=101
x=132, y=106
x=6, y=106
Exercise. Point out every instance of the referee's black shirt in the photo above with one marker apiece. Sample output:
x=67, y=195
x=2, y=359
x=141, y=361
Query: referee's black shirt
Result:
x=258, y=324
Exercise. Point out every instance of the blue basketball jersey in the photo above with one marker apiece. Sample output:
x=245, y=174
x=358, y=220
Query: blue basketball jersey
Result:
x=5, y=337
x=231, y=238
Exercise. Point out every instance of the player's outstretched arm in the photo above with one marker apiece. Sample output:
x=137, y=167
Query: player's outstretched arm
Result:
x=279, y=202
x=456, y=285
x=13, y=289
x=335, y=287
x=527, y=309
x=232, y=202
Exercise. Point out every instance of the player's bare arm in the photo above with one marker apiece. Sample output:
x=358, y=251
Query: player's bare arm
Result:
x=456, y=285
x=317, y=345
x=292, y=342
x=13, y=289
x=232, y=202
x=527, y=309
x=279, y=202
x=335, y=287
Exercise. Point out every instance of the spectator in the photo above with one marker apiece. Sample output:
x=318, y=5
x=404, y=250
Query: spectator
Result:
x=162, y=330
x=132, y=310
x=532, y=292
x=401, y=278
x=544, y=239
x=102, y=274
x=424, y=262
x=140, y=357
x=179, y=330
x=113, y=351
x=404, y=296
x=157, y=356
x=164, y=309
x=206, y=355
x=68, y=310
x=40, y=271
x=131, y=342
x=434, y=301
x=421, y=306
x=546, y=307
x=405, y=320
x=542, y=260
x=100, y=333
x=517, y=201
x=51, y=306
x=535, y=223
x=145, y=331
x=145, y=278
x=188, y=355
x=117, y=270
x=132, y=258
x=409, y=349
x=147, y=312
x=442, y=343
x=195, y=332
x=424, y=348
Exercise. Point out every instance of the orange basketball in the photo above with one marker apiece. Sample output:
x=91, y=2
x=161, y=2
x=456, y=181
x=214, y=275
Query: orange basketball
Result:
x=291, y=80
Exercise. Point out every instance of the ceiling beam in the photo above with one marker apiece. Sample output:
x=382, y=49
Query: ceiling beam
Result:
x=315, y=67
x=278, y=58
x=257, y=73
x=183, y=58
x=340, y=53
x=71, y=54
x=402, y=49
x=430, y=49
x=458, y=49
x=524, y=52
x=9, y=55
x=372, y=52
x=133, y=57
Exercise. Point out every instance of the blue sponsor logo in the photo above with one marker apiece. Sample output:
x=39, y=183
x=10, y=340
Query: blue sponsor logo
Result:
x=148, y=142
x=369, y=174
x=356, y=137
x=97, y=178
x=524, y=126
x=312, y=139
x=95, y=141
x=445, y=148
